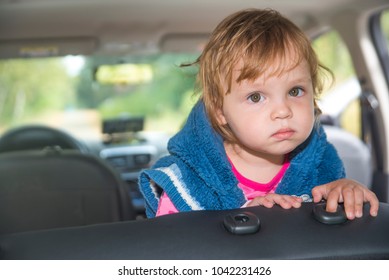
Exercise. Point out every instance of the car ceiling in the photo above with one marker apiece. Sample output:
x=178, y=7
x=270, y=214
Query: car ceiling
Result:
x=124, y=25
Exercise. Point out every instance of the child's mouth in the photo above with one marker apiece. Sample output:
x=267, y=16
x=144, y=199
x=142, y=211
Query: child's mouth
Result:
x=283, y=134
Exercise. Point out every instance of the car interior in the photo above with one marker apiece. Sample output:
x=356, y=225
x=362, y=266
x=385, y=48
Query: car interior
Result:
x=91, y=92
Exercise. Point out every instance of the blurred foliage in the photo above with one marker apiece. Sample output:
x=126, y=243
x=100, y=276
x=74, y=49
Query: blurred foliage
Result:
x=385, y=26
x=163, y=99
x=32, y=86
x=164, y=93
x=333, y=53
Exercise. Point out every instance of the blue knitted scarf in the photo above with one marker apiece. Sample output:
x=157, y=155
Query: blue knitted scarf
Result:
x=198, y=176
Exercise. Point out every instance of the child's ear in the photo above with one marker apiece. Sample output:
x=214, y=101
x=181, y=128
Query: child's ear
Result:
x=220, y=117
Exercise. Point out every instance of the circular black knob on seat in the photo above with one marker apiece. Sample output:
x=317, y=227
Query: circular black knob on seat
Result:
x=329, y=218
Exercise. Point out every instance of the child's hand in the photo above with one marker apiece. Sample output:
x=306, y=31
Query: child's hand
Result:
x=351, y=193
x=285, y=201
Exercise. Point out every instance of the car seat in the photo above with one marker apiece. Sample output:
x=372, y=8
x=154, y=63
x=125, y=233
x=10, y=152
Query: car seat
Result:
x=57, y=188
x=354, y=153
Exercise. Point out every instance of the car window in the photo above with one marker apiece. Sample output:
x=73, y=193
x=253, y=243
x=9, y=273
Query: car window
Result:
x=385, y=26
x=384, y=32
x=339, y=101
x=64, y=92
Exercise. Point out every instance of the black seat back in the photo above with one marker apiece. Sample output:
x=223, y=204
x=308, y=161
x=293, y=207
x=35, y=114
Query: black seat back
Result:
x=201, y=235
x=43, y=190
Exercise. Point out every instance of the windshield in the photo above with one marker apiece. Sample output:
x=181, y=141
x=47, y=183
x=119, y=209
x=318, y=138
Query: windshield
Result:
x=70, y=94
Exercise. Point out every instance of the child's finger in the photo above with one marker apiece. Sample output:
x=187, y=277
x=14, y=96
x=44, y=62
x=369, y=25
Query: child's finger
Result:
x=349, y=194
x=374, y=203
x=358, y=202
x=287, y=202
x=333, y=198
x=319, y=193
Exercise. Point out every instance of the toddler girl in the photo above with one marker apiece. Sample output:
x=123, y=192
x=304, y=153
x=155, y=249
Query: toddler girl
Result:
x=253, y=138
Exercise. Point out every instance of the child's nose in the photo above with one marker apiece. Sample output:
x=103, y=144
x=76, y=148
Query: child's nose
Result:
x=281, y=110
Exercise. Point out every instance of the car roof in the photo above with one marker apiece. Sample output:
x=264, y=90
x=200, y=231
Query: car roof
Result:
x=99, y=26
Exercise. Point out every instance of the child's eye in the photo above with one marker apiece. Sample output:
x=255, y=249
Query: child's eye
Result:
x=255, y=97
x=296, y=92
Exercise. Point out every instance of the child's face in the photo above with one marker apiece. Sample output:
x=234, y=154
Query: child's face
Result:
x=273, y=114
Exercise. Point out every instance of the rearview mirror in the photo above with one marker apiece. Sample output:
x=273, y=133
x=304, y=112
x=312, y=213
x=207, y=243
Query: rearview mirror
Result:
x=124, y=74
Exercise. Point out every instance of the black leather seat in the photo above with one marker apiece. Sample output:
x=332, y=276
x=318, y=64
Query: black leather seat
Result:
x=50, y=189
x=201, y=235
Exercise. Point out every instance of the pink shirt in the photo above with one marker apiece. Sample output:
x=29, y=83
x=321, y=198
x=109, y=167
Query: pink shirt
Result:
x=250, y=189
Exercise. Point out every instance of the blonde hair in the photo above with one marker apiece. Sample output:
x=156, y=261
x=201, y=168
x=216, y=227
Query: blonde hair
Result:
x=258, y=39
